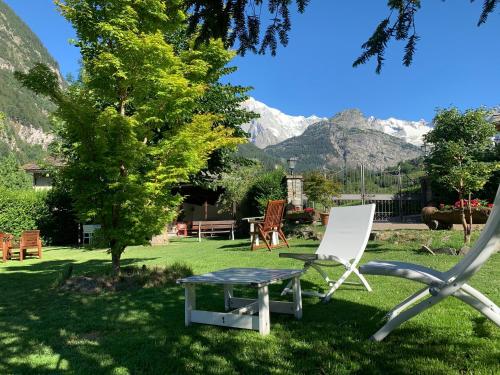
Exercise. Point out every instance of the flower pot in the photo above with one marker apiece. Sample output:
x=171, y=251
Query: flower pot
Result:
x=324, y=218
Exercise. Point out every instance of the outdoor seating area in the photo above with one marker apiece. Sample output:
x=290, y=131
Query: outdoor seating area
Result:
x=29, y=243
x=249, y=187
x=333, y=336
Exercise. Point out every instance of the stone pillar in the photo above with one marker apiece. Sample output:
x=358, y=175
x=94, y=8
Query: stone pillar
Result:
x=295, y=189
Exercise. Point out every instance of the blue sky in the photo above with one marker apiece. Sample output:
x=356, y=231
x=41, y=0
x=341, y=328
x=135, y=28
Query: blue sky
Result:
x=456, y=62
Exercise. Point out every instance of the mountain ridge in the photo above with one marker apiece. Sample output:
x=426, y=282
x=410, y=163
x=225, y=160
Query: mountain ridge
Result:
x=274, y=126
x=27, y=130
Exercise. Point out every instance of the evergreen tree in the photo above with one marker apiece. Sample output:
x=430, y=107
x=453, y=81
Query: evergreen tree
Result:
x=239, y=21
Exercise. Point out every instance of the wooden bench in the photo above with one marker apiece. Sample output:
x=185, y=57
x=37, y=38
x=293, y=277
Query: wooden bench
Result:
x=213, y=227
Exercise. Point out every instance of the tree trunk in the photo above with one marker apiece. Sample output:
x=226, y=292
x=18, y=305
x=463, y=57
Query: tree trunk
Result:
x=116, y=254
x=469, y=230
x=462, y=217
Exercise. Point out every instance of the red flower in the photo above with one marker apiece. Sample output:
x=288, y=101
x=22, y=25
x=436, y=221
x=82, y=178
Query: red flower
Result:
x=490, y=205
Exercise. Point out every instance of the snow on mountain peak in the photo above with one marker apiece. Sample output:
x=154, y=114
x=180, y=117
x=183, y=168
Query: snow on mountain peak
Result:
x=274, y=126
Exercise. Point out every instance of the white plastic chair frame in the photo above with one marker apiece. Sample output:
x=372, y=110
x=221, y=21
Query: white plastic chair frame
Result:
x=343, y=243
x=440, y=285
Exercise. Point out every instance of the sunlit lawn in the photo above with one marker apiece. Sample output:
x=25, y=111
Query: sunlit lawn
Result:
x=43, y=330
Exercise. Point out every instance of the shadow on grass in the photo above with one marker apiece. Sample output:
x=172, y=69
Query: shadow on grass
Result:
x=143, y=331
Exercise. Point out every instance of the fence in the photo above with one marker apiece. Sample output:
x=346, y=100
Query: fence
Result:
x=397, y=196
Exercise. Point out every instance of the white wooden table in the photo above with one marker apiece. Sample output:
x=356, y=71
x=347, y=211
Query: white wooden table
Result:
x=240, y=311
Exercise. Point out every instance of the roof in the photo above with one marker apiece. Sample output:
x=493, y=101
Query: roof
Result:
x=43, y=166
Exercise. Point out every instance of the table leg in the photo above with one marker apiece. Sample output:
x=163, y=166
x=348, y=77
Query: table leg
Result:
x=297, y=297
x=228, y=294
x=190, y=303
x=275, y=239
x=264, y=321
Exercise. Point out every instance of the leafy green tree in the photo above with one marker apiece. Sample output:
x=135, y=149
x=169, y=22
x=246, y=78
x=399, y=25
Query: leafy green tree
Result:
x=269, y=185
x=239, y=21
x=131, y=127
x=12, y=176
x=320, y=188
x=460, y=143
x=236, y=183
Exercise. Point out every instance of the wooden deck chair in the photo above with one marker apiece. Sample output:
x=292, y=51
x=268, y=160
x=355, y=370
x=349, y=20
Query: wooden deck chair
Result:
x=440, y=285
x=271, y=224
x=6, y=244
x=343, y=244
x=30, y=239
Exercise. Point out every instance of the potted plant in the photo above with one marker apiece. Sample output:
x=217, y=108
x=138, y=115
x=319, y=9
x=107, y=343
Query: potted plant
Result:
x=320, y=188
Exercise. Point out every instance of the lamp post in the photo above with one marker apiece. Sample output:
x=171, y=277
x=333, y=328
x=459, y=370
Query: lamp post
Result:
x=293, y=197
x=292, y=163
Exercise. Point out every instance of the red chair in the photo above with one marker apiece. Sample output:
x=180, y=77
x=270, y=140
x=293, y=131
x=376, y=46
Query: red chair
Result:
x=6, y=243
x=182, y=229
x=30, y=239
x=271, y=224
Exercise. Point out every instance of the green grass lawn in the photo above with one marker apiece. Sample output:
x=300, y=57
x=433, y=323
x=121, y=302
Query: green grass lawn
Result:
x=44, y=330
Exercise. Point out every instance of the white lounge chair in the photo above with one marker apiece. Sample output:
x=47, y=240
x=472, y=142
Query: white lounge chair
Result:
x=344, y=242
x=439, y=285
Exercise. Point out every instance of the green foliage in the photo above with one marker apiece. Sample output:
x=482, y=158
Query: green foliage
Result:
x=320, y=188
x=12, y=176
x=21, y=210
x=132, y=128
x=270, y=185
x=236, y=183
x=239, y=21
x=252, y=152
x=460, y=144
x=60, y=226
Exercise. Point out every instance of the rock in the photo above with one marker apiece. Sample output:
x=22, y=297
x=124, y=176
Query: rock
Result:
x=464, y=250
x=373, y=236
x=446, y=250
x=427, y=249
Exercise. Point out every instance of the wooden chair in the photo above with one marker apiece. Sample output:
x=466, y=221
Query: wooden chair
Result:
x=271, y=224
x=6, y=243
x=30, y=239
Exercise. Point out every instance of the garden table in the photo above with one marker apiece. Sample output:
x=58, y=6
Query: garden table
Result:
x=243, y=309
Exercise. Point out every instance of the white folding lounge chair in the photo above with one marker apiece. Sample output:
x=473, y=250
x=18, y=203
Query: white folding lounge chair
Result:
x=344, y=242
x=440, y=285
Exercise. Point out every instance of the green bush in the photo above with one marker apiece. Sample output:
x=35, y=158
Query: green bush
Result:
x=21, y=210
x=49, y=211
x=268, y=186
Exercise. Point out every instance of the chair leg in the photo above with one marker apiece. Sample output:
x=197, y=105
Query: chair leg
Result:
x=337, y=284
x=407, y=303
x=264, y=238
x=39, y=251
x=489, y=311
x=481, y=297
x=406, y=315
x=282, y=236
x=362, y=278
x=21, y=254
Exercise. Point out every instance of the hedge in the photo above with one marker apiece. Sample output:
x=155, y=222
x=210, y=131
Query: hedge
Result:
x=49, y=211
x=21, y=210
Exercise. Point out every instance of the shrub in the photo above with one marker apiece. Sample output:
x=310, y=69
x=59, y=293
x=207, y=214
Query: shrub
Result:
x=49, y=211
x=21, y=210
x=268, y=186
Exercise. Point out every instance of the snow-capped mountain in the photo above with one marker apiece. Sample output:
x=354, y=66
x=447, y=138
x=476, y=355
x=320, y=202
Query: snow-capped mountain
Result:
x=410, y=131
x=274, y=126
